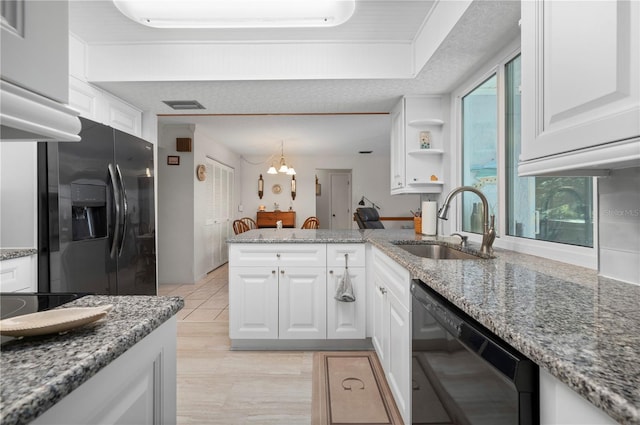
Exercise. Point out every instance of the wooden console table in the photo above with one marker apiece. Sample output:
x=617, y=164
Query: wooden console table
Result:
x=269, y=218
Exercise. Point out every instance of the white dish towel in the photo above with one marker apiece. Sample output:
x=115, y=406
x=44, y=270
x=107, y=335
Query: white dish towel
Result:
x=344, y=292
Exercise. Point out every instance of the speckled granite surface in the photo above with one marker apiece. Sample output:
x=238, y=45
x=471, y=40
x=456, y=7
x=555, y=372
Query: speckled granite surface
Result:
x=9, y=253
x=300, y=236
x=582, y=328
x=37, y=372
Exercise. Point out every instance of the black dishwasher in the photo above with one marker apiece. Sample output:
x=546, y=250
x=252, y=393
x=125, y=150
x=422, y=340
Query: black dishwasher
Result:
x=464, y=374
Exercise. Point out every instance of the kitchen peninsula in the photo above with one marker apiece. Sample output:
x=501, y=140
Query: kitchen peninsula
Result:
x=581, y=329
x=120, y=369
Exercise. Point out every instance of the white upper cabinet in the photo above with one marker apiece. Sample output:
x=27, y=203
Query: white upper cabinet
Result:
x=35, y=51
x=100, y=106
x=580, y=87
x=397, y=147
x=417, y=145
x=34, y=38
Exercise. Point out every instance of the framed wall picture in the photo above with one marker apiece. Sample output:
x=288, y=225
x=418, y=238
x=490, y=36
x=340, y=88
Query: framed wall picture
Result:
x=173, y=160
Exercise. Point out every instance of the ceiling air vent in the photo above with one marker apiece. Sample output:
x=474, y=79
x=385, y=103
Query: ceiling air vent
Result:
x=183, y=105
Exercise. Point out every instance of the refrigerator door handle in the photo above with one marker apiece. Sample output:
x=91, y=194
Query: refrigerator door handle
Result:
x=125, y=210
x=116, y=198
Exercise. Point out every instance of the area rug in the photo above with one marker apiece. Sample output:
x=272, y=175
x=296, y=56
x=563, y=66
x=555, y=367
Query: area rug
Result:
x=349, y=388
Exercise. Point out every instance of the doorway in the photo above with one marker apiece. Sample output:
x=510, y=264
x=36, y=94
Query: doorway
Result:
x=333, y=199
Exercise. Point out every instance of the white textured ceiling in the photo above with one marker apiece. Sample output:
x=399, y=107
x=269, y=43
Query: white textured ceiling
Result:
x=486, y=27
x=373, y=20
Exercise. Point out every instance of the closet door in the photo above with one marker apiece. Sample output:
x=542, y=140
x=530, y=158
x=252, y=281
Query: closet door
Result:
x=210, y=216
x=226, y=210
x=219, y=211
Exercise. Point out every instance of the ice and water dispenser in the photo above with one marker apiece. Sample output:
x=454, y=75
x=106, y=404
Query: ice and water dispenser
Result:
x=88, y=211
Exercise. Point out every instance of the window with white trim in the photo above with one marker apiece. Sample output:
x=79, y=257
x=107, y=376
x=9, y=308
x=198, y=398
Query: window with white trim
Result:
x=480, y=152
x=552, y=209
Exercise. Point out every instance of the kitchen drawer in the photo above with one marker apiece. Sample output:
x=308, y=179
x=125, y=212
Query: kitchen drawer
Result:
x=18, y=274
x=336, y=252
x=395, y=277
x=292, y=254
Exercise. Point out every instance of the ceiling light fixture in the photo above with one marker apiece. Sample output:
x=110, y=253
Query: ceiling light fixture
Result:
x=237, y=13
x=283, y=168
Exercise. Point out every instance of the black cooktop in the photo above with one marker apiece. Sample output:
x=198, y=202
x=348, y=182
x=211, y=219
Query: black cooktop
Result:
x=17, y=304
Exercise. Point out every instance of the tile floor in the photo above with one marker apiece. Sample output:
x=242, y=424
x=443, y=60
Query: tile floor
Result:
x=220, y=386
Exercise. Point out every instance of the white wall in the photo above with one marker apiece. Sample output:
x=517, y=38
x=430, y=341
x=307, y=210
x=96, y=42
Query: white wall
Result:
x=619, y=225
x=182, y=203
x=18, y=189
x=370, y=177
x=175, y=208
x=206, y=146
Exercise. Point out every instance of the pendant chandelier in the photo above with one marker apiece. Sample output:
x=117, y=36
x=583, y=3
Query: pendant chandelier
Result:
x=282, y=166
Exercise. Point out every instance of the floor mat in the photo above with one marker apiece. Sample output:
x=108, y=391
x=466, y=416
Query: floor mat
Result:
x=349, y=388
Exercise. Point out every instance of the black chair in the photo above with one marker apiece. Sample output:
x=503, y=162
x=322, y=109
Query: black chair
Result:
x=368, y=218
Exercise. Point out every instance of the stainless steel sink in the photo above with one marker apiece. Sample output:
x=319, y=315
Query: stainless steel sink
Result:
x=438, y=252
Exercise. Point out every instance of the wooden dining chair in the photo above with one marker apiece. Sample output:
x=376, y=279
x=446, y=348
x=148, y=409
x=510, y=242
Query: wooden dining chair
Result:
x=239, y=226
x=251, y=224
x=311, y=223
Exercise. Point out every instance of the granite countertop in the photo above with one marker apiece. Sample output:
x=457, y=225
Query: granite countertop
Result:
x=9, y=253
x=270, y=235
x=37, y=372
x=582, y=328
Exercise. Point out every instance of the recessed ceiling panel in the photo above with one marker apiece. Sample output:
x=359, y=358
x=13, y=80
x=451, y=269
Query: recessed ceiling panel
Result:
x=237, y=13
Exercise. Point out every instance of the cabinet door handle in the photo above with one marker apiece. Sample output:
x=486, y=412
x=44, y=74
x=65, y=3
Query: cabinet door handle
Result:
x=383, y=290
x=278, y=255
x=281, y=271
x=273, y=272
x=330, y=271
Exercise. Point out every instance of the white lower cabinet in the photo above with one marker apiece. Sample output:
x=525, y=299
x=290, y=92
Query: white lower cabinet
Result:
x=302, y=303
x=392, y=328
x=139, y=387
x=346, y=320
x=293, y=298
x=19, y=274
x=559, y=404
x=399, y=360
x=277, y=303
x=380, y=330
x=253, y=302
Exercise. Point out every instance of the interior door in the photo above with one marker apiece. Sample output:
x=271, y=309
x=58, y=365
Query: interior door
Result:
x=340, y=201
x=219, y=211
x=209, y=219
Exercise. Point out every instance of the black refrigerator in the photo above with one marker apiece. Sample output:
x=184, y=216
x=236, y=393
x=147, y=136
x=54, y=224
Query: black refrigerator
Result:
x=96, y=220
